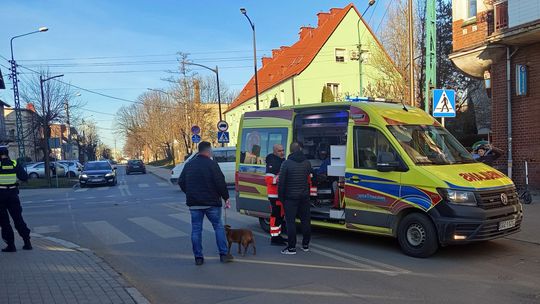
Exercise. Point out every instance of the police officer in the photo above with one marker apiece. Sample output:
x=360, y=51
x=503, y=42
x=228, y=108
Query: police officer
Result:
x=273, y=164
x=10, y=205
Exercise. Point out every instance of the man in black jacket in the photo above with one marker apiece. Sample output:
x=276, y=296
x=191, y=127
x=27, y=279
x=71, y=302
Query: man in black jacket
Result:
x=293, y=191
x=205, y=187
x=10, y=205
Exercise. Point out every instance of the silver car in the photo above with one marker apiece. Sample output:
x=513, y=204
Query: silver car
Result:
x=74, y=167
x=37, y=170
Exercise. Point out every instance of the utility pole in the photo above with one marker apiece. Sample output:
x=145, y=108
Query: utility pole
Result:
x=431, y=52
x=68, y=127
x=411, y=53
x=360, y=51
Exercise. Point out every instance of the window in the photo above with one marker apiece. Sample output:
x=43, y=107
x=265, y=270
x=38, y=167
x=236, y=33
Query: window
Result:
x=258, y=143
x=340, y=55
x=40, y=166
x=471, y=9
x=368, y=143
x=225, y=156
x=334, y=87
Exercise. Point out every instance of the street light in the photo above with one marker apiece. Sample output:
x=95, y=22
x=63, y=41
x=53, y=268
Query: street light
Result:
x=360, y=59
x=47, y=131
x=15, y=81
x=244, y=12
x=217, y=81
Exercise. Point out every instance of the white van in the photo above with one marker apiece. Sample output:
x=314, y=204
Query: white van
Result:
x=226, y=158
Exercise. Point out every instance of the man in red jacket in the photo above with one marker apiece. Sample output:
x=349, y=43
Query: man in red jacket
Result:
x=273, y=164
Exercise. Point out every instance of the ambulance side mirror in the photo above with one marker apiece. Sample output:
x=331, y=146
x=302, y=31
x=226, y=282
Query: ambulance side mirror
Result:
x=387, y=162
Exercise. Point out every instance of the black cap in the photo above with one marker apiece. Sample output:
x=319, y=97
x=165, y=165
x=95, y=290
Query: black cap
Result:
x=4, y=150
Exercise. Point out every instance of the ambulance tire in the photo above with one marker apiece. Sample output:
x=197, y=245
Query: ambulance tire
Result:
x=417, y=236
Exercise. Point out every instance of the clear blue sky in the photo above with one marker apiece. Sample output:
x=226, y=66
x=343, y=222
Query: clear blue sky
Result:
x=143, y=36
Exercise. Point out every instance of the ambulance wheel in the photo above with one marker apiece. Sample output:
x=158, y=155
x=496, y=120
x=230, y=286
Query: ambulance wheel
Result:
x=417, y=236
x=265, y=224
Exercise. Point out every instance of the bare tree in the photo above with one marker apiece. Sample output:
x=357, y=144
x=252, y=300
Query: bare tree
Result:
x=49, y=106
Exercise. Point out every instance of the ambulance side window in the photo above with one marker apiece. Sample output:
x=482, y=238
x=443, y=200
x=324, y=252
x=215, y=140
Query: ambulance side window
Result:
x=368, y=142
x=257, y=143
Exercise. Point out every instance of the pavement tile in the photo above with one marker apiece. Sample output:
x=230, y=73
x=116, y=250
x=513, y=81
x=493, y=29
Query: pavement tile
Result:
x=52, y=273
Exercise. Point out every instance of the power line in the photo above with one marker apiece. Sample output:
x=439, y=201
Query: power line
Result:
x=384, y=15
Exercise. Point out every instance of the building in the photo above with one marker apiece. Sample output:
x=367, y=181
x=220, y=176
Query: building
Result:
x=3, y=132
x=32, y=135
x=499, y=41
x=324, y=56
x=62, y=144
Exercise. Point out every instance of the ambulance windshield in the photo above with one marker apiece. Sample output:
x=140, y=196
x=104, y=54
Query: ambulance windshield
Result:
x=430, y=145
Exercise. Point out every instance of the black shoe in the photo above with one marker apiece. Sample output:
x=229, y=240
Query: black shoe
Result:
x=10, y=248
x=199, y=261
x=226, y=258
x=27, y=245
x=277, y=241
x=305, y=248
x=288, y=251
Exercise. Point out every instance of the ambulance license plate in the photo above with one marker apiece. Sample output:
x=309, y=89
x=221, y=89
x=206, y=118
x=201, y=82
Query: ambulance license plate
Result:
x=507, y=224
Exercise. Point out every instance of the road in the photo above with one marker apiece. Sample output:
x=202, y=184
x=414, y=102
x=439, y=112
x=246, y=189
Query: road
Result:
x=141, y=228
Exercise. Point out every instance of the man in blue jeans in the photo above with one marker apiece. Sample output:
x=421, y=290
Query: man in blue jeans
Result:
x=205, y=187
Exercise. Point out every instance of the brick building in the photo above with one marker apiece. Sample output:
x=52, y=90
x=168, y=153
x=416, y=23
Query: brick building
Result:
x=499, y=41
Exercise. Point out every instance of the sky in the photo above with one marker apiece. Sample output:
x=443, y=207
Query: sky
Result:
x=122, y=48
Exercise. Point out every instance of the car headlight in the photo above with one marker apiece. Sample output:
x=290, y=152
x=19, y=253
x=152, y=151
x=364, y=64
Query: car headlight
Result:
x=459, y=197
x=84, y=176
x=109, y=174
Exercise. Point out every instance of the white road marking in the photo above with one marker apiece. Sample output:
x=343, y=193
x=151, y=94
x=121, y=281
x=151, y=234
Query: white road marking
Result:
x=143, y=185
x=107, y=233
x=157, y=228
x=81, y=190
x=163, y=184
x=46, y=229
x=186, y=218
x=103, y=188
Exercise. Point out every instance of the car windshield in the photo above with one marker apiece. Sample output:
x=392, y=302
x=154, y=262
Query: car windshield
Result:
x=430, y=145
x=97, y=166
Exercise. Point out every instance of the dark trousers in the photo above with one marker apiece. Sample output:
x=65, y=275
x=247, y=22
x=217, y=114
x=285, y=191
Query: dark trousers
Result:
x=276, y=218
x=300, y=209
x=11, y=206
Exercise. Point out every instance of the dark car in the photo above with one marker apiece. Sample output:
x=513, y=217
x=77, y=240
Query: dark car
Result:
x=98, y=173
x=135, y=165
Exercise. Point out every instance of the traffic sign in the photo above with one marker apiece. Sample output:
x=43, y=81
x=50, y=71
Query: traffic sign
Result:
x=195, y=130
x=444, y=103
x=223, y=126
x=196, y=138
x=223, y=137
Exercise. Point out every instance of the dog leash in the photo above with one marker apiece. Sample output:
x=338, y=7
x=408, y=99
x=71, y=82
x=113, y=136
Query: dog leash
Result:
x=225, y=215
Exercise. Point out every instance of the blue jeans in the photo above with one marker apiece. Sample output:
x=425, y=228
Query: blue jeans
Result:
x=214, y=215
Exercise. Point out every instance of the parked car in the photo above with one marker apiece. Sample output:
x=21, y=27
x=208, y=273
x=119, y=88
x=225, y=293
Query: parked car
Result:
x=37, y=170
x=226, y=158
x=74, y=167
x=98, y=173
x=135, y=165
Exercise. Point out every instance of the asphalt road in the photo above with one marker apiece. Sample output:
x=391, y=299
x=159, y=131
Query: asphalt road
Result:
x=141, y=228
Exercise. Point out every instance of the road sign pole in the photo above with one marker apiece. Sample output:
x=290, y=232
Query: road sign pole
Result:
x=442, y=121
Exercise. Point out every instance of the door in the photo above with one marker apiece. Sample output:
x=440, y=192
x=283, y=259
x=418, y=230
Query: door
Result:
x=40, y=169
x=226, y=160
x=369, y=193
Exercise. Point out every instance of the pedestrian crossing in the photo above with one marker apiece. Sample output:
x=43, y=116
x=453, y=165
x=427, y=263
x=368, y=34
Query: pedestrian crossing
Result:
x=124, y=188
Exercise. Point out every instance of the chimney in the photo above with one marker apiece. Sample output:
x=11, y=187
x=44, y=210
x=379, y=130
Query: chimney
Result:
x=275, y=53
x=30, y=106
x=305, y=31
x=322, y=17
x=333, y=11
x=266, y=60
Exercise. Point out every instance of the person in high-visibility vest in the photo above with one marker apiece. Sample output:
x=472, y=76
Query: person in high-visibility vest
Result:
x=10, y=205
x=273, y=164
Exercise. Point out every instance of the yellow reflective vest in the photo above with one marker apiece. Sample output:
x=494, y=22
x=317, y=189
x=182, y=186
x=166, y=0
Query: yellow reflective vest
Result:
x=8, y=174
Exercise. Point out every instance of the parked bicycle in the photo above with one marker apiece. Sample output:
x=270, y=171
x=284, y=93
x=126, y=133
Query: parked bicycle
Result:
x=524, y=194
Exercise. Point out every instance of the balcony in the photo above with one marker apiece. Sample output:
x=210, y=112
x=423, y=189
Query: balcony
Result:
x=501, y=15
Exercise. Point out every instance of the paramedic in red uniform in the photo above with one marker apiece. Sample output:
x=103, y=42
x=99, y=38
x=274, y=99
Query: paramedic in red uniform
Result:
x=273, y=164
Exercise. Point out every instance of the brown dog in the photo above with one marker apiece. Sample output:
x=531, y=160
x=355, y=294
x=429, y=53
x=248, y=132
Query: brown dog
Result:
x=243, y=237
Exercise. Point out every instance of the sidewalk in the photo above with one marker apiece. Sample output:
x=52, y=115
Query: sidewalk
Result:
x=160, y=172
x=56, y=271
x=530, y=228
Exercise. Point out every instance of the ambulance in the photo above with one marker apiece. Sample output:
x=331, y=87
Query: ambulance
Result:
x=394, y=171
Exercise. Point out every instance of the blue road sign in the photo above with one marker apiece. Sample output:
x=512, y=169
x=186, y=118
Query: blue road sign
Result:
x=195, y=130
x=223, y=137
x=196, y=138
x=444, y=103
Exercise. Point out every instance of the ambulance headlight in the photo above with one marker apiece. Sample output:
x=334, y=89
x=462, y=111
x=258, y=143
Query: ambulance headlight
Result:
x=459, y=197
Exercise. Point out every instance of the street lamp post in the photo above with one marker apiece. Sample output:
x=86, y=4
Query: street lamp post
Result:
x=15, y=81
x=46, y=130
x=244, y=12
x=360, y=52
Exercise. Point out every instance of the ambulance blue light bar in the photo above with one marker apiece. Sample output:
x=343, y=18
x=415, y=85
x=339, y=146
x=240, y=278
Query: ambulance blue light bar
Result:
x=368, y=99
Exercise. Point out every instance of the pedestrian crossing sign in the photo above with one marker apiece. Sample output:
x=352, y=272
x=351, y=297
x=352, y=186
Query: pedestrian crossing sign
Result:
x=223, y=137
x=444, y=103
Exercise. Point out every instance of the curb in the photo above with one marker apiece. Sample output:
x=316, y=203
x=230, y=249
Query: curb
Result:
x=132, y=291
x=159, y=176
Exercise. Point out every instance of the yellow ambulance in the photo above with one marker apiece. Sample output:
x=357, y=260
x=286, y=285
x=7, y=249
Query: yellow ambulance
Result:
x=392, y=170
